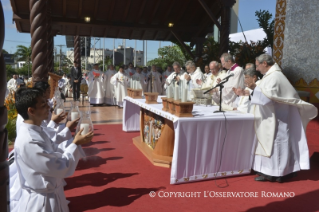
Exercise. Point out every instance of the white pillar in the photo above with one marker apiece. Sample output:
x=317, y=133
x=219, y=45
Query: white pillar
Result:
x=103, y=54
x=135, y=54
x=124, y=46
x=94, y=52
x=146, y=52
x=85, y=58
x=113, y=52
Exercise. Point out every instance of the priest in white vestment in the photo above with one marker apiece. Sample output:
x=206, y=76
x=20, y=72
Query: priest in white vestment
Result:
x=14, y=83
x=281, y=118
x=154, y=81
x=108, y=86
x=194, y=75
x=41, y=168
x=96, y=92
x=130, y=71
x=165, y=75
x=144, y=74
x=236, y=81
x=140, y=80
x=121, y=82
x=207, y=71
x=175, y=76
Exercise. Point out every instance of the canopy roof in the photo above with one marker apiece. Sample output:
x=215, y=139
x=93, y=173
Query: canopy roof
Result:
x=127, y=19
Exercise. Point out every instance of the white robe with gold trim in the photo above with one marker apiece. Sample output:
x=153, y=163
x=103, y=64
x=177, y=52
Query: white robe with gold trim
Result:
x=281, y=118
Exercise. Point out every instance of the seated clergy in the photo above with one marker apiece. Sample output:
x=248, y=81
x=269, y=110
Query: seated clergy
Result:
x=236, y=81
x=40, y=166
x=281, y=118
x=120, y=80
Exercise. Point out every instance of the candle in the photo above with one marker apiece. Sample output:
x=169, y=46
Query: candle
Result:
x=59, y=110
x=176, y=93
x=85, y=130
x=184, y=95
x=74, y=115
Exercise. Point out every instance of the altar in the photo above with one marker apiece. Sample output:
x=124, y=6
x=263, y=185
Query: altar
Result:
x=207, y=146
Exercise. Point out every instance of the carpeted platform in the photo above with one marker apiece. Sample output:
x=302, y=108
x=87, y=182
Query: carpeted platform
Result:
x=117, y=177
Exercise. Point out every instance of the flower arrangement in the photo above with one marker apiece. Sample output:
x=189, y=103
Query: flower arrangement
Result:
x=12, y=117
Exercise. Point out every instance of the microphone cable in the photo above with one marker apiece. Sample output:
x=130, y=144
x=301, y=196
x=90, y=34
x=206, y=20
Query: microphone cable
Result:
x=221, y=156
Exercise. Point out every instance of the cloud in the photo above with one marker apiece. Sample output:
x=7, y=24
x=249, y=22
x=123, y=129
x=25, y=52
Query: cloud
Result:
x=6, y=5
x=11, y=26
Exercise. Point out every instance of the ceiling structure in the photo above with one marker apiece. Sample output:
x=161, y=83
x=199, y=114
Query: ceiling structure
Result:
x=128, y=19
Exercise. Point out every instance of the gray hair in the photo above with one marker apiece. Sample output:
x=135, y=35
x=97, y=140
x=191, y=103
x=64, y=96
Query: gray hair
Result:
x=190, y=64
x=227, y=57
x=265, y=58
x=251, y=72
x=216, y=63
x=176, y=64
x=251, y=65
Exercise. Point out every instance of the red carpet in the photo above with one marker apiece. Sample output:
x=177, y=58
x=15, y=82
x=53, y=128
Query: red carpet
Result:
x=117, y=177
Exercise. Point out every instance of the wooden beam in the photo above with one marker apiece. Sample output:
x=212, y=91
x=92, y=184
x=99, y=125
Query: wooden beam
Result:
x=92, y=31
x=111, y=10
x=80, y=8
x=18, y=26
x=206, y=23
x=14, y=6
x=154, y=11
x=64, y=8
x=106, y=31
x=118, y=33
x=143, y=35
x=78, y=30
x=126, y=11
x=156, y=35
x=168, y=12
x=168, y=35
x=183, y=44
x=182, y=11
x=96, y=8
x=138, y=17
x=210, y=14
x=131, y=34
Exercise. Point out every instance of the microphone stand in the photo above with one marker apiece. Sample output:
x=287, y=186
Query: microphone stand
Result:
x=221, y=86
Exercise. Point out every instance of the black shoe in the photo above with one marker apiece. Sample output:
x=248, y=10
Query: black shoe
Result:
x=261, y=179
x=280, y=179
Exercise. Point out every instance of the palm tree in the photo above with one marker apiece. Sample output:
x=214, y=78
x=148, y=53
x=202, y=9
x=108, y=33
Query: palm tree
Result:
x=23, y=53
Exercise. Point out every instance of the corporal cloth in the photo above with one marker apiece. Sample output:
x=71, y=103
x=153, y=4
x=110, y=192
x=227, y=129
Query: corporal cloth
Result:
x=109, y=87
x=281, y=118
x=120, y=82
x=96, y=92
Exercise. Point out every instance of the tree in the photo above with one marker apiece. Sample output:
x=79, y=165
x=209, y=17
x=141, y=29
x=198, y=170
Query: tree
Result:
x=168, y=55
x=10, y=71
x=23, y=53
x=264, y=20
x=4, y=51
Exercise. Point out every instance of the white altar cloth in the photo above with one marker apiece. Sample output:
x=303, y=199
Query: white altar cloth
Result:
x=199, y=141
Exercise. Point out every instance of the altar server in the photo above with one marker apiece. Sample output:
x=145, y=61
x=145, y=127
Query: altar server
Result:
x=95, y=82
x=281, y=118
x=154, y=81
x=229, y=96
x=121, y=82
x=40, y=167
x=108, y=86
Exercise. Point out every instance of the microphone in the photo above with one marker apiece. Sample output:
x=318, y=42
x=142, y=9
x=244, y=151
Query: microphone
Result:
x=230, y=75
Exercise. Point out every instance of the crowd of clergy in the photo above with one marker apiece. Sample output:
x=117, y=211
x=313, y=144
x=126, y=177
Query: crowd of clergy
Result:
x=45, y=152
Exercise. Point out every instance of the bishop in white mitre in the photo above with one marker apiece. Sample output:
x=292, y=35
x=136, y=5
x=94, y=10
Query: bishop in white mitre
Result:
x=154, y=81
x=108, y=86
x=120, y=80
x=236, y=81
x=281, y=118
x=96, y=92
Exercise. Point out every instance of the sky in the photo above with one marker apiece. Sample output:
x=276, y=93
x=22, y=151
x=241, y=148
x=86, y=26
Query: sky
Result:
x=246, y=15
